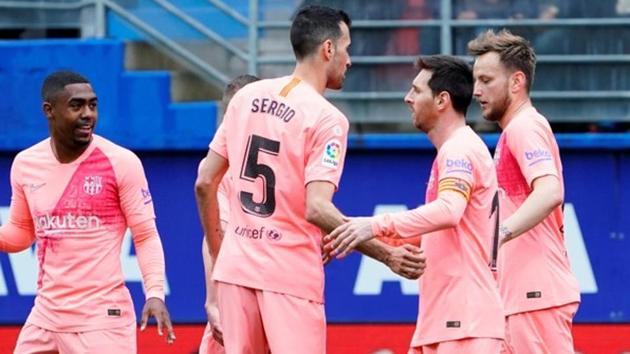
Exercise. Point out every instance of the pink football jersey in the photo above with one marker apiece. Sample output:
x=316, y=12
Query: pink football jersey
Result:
x=534, y=270
x=458, y=294
x=278, y=135
x=80, y=211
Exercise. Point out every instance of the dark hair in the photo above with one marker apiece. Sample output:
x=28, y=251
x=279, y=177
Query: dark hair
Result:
x=515, y=52
x=57, y=81
x=236, y=84
x=452, y=75
x=313, y=25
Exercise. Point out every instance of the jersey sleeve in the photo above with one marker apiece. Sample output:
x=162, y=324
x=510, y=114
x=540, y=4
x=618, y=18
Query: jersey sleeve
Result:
x=326, y=150
x=455, y=171
x=19, y=232
x=532, y=149
x=19, y=213
x=133, y=190
x=219, y=142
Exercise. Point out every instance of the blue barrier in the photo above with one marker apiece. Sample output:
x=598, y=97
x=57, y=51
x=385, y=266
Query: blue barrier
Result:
x=358, y=290
x=584, y=141
x=135, y=108
x=157, y=17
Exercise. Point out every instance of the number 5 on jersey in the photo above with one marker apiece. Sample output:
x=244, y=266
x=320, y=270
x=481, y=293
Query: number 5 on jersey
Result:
x=251, y=170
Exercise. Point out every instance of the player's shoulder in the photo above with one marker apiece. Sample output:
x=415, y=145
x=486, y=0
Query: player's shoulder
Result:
x=464, y=141
x=466, y=145
x=117, y=155
x=34, y=151
x=528, y=121
x=325, y=113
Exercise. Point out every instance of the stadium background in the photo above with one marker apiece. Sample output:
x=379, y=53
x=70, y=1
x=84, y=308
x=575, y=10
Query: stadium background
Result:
x=158, y=68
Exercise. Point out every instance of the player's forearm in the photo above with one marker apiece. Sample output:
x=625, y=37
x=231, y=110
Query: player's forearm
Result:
x=14, y=238
x=208, y=207
x=444, y=212
x=323, y=213
x=208, y=266
x=544, y=198
x=150, y=258
x=396, y=240
x=375, y=249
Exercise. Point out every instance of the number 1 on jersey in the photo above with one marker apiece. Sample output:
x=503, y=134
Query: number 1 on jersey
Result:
x=251, y=170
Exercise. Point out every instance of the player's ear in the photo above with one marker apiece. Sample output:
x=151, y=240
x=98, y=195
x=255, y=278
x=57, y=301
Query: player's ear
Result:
x=47, y=109
x=517, y=81
x=328, y=49
x=443, y=100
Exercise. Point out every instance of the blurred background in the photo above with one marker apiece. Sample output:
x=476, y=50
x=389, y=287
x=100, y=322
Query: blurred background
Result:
x=159, y=68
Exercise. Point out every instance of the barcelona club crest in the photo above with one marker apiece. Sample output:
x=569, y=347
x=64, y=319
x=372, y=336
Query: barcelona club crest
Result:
x=92, y=185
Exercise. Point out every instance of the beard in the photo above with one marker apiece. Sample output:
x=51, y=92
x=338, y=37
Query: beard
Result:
x=336, y=83
x=497, y=111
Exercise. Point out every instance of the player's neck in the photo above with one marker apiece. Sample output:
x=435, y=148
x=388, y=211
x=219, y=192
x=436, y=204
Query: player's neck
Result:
x=517, y=106
x=64, y=152
x=444, y=129
x=311, y=74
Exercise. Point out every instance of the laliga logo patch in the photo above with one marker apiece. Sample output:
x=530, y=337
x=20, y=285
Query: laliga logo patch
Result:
x=332, y=154
x=93, y=185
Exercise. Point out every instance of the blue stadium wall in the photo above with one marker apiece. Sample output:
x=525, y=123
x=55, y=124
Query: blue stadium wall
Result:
x=382, y=173
x=358, y=290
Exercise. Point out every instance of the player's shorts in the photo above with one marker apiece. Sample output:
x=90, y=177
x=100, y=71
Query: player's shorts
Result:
x=542, y=331
x=33, y=339
x=256, y=322
x=208, y=344
x=466, y=345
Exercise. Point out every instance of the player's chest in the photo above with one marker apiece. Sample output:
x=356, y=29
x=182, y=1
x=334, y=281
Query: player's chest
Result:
x=509, y=175
x=62, y=190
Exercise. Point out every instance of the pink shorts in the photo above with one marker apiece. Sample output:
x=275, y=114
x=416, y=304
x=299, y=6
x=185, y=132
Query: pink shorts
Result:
x=542, y=331
x=208, y=344
x=466, y=345
x=256, y=322
x=33, y=339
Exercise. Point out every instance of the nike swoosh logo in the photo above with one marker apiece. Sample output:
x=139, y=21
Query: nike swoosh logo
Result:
x=35, y=187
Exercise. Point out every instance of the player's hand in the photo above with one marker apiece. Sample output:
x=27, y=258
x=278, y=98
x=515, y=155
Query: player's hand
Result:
x=326, y=258
x=407, y=261
x=213, y=318
x=157, y=308
x=342, y=240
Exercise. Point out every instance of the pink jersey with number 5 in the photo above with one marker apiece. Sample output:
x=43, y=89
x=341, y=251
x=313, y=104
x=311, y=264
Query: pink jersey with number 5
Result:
x=278, y=135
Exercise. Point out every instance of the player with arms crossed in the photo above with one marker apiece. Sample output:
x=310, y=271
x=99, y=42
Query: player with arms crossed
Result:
x=283, y=145
x=540, y=293
x=75, y=194
x=460, y=307
x=212, y=341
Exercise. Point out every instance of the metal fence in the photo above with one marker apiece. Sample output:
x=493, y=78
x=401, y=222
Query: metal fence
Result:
x=583, y=62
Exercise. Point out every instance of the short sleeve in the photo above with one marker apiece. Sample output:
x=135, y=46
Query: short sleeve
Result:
x=219, y=143
x=529, y=141
x=136, y=202
x=326, y=150
x=455, y=170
